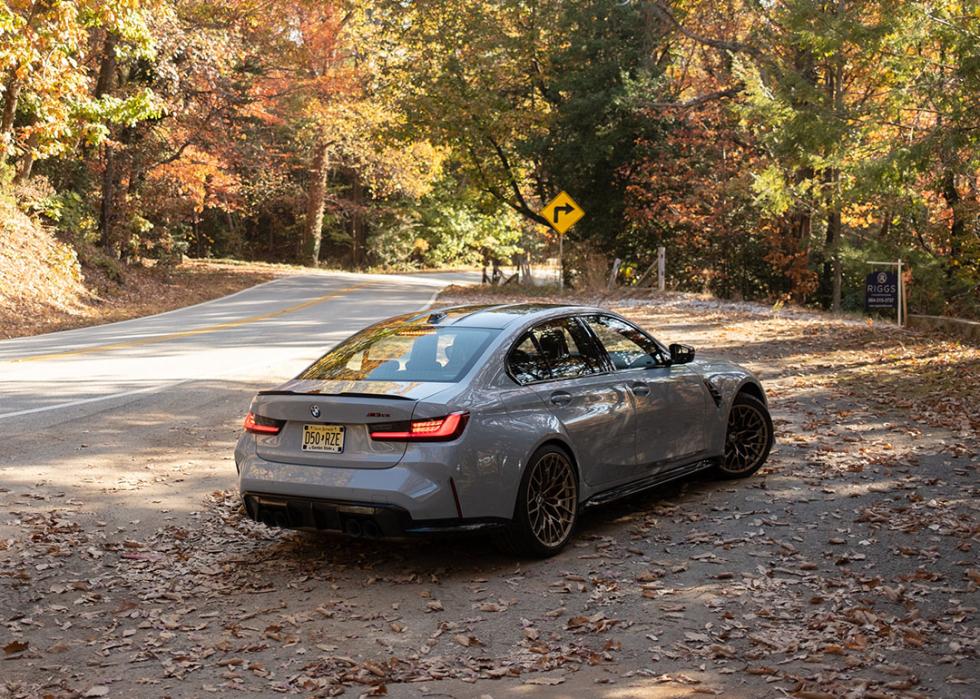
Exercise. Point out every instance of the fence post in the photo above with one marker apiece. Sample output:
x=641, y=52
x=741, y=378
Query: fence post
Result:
x=898, y=303
x=661, y=266
x=613, y=274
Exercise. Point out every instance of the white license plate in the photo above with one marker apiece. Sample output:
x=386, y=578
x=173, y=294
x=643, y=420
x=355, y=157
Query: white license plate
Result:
x=328, y=438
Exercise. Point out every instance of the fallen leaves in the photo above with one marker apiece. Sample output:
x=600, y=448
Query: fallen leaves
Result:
x=597, y=623
x=860, y=549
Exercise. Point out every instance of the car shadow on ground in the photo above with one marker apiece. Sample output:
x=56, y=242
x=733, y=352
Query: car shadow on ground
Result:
x=466, y=555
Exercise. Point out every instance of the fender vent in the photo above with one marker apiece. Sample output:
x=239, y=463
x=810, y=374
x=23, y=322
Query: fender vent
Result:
x=715, y=393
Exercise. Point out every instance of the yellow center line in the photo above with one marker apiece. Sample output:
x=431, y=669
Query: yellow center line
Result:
x=196, y=331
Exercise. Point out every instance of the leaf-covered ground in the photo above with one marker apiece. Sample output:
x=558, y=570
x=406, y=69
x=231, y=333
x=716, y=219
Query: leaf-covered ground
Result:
x=848, y=567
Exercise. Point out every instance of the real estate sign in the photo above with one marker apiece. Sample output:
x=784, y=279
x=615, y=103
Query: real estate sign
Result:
x=881, y=291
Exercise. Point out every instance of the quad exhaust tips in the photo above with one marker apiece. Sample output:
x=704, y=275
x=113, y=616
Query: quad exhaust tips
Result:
x=362, y=528
x=350, y=518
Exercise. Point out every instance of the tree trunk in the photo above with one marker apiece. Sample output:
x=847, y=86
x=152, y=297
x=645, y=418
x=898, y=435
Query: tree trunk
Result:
x=10, y=97
x=25, y=166
x=107, y=69
x=198, y=238
x=833, y=265
x=835, y=93
x=316, y=198
x=357, y=223
x=105, y=209
x=104, y=85
x=957, y=229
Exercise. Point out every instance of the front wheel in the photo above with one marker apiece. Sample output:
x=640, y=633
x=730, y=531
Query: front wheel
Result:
x=749, y=438
x=547, y=505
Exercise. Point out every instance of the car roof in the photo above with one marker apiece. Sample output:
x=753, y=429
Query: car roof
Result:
x=496, y=315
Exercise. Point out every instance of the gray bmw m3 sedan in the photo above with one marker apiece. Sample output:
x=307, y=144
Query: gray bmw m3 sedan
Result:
x=512, y=417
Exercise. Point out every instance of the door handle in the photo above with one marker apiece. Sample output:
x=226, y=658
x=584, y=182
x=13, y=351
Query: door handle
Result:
x=640, y=389
x=561, y=398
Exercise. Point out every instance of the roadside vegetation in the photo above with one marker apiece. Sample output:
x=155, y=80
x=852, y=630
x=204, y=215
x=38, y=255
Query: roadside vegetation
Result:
x=772, y=148
x=49, y=285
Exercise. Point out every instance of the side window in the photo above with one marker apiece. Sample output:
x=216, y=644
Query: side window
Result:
x=567, y=348
x=626, y=346
x=526, y=362
x=557, y=349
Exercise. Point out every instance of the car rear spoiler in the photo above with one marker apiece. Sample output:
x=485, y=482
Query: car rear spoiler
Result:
x=345, y=394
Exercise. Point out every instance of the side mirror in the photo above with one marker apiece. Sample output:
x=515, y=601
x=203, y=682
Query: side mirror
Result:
x=681, y=354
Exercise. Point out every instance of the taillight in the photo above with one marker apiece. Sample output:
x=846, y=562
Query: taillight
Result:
x=262, y=425
x=438, y=429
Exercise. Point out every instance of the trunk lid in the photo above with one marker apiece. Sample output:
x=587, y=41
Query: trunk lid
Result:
x=353, y=405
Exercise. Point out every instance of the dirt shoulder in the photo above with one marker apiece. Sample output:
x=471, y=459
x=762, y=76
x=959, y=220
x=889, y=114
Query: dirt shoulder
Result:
x=136, y=292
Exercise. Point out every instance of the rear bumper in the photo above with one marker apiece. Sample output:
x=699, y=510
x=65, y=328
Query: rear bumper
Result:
x=354, y=518
x=413, y=497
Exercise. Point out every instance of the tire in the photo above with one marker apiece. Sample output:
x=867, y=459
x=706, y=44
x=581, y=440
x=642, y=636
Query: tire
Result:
x=547, y=505
x=748, y=438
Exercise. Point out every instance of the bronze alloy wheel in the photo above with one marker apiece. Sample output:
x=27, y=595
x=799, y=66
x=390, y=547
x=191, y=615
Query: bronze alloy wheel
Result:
x=749, y=437
x=551, y=498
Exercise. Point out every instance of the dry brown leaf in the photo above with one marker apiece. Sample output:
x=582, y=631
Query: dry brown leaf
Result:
x=15, y=647
x=467, y=640
x=546, y=681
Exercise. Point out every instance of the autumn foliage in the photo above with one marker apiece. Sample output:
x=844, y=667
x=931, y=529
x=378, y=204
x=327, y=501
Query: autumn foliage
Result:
x=772, y=148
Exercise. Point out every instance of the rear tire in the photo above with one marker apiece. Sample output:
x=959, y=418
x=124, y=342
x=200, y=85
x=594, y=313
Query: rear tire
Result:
x=748, y=438
x=547, y=505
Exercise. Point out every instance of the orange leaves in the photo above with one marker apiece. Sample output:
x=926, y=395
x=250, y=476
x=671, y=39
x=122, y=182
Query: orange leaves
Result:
x=202, y=179
x=306, y=59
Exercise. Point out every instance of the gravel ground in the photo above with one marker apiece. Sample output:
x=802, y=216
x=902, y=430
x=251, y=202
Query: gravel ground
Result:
x=846, y=568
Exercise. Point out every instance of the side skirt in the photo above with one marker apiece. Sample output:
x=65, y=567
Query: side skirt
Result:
x=653, y=481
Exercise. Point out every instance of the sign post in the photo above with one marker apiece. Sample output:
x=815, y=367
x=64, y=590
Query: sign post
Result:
x=561, y=262
x=562, y=213
x=885, y=290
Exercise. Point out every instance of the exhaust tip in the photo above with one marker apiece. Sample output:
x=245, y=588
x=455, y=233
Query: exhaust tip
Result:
x=353, y=527
x=371, y=529
x=273, y=518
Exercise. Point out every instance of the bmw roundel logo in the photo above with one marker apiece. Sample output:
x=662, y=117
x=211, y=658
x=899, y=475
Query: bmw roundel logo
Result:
x=315, y=411
x=882, y=277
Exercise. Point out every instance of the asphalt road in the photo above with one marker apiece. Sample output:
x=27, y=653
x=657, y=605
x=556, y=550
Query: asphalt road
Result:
x=95, y=408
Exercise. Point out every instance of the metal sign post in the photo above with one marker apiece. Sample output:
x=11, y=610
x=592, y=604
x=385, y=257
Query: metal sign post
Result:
x=886, y=290
x=561, y=262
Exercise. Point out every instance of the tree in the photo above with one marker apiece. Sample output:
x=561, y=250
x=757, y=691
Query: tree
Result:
x=45, y=46
x=528, y=97
x=822, y=92
x=944, y=157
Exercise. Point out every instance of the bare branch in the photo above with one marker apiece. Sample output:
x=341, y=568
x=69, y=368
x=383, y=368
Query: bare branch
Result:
x=667, y=16
x=699, y=100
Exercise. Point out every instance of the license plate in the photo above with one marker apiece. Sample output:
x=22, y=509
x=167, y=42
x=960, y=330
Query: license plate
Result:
x=329, y=438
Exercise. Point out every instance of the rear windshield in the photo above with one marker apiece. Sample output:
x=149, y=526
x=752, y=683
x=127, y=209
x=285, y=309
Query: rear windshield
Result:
x=403, y=353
